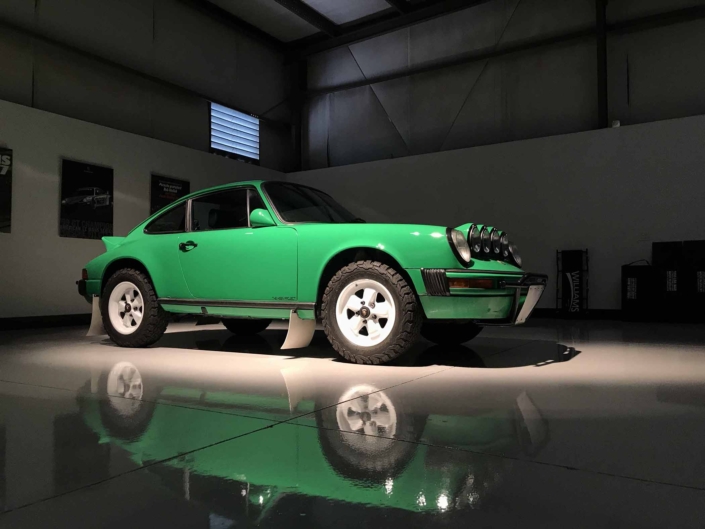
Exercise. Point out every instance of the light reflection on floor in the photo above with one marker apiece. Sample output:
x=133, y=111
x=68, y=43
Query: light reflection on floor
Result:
x=551, y=424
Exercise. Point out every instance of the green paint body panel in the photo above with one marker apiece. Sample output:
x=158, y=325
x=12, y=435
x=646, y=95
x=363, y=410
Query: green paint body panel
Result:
x=286, y=262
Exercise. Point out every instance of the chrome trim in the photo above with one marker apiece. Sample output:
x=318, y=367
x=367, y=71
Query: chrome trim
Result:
x=289, y=305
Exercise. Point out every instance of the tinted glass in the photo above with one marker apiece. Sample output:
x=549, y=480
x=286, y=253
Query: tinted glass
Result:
x=256, y=201
x=173, y=221
x=296, y=203
x=220, y=211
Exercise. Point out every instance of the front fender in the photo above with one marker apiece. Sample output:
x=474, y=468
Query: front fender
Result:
x=412, y=246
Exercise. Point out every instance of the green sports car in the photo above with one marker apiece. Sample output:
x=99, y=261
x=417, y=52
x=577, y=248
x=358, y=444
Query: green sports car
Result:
x=250, y=252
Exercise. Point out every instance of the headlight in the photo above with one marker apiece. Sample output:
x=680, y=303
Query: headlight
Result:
x=514, y=253
x=474, y=239
x=496, y=244
x=485, y=240
x=504, y=243
x=459, y=245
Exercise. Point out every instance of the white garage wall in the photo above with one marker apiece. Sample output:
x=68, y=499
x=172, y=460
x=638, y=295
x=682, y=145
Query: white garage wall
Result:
x=612, y=191
x=38, y=269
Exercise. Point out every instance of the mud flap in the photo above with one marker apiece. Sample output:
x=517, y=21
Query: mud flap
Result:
x=300, y=332
x=96, y=328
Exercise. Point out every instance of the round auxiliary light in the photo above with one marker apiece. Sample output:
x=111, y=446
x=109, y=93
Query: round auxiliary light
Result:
x=474, y=239
x=496, y=244
x=485, y=238
x=504, y=243
x=459, y=245
x=515, y=258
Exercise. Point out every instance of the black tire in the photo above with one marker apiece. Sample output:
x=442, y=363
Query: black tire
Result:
x=450, y=332
x=245, y=327
x=407, y=323
x=154, y=318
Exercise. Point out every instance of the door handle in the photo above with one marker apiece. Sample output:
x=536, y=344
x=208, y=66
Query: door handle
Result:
x=186, y=246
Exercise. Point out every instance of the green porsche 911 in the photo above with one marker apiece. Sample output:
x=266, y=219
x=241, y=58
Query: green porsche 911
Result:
x=250, y=252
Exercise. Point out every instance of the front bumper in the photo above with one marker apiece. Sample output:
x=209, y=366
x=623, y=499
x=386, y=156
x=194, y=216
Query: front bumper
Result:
x=510, y=302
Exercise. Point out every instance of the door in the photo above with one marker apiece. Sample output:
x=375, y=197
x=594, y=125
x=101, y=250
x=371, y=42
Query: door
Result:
x=223, y=258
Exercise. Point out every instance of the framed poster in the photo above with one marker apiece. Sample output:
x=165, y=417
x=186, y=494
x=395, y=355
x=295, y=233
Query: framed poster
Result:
x=86, y=200
x=166, y=190
x=5, y=190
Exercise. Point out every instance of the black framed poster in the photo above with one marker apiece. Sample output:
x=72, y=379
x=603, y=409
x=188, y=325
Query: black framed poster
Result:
x=5, y=190
x=86, y=200
x=166, y=190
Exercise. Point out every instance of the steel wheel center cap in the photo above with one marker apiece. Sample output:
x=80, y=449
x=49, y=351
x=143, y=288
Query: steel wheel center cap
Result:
x=365, y=312
x=128, y=308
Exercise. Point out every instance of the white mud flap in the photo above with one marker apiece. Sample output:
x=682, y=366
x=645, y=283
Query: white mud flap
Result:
x=300, y=332
x=96, y=328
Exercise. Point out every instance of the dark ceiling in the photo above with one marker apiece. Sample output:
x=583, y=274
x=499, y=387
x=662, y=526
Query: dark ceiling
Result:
x=303, y=27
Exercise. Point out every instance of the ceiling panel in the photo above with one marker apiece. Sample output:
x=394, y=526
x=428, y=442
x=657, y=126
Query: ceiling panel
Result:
x=342, y=11
x=272, y=18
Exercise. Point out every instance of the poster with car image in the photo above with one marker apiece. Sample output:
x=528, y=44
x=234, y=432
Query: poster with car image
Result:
x=166, y=190
x=86, y=200
x=5, y=190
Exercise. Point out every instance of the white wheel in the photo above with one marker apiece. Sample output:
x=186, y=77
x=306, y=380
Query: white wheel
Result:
x=364, y=409
x=126, y=308
x=365, y=312
x=125, y=389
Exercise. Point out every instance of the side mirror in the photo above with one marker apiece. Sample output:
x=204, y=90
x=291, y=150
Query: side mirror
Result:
x=261, y=218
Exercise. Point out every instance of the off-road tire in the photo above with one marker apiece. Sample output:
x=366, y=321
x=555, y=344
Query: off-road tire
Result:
x=408, y=318
x=245, y=327
x=154, y=320
x=450, y=332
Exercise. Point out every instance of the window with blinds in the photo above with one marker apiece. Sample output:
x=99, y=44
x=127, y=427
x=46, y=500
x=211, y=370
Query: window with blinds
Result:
x=234, y=132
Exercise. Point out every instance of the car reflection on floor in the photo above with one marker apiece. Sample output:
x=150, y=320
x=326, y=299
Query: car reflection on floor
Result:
x=350, y=450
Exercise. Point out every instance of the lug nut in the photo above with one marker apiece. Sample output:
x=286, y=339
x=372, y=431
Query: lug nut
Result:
x=374, y=316
x=364, y=321
x=362, y=303
x=372, y=305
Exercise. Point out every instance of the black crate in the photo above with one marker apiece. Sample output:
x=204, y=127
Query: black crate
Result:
x=693, y=280
x=638, y=293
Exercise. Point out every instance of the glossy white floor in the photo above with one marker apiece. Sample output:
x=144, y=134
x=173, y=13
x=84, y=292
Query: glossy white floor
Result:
x=554, y=424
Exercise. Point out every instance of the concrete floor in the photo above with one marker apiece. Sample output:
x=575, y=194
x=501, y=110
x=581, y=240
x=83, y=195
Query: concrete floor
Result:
x=553, y=424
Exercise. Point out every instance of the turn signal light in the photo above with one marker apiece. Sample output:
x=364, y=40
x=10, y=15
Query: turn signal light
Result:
x=457, y=282
x=84, y=274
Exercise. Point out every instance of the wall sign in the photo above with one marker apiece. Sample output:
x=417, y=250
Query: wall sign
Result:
x=86, y=200
x=572, y=291
x=5, y=190
x=166, y=190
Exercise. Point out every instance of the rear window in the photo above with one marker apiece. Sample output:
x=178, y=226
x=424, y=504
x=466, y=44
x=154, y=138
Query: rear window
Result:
x=172, y=221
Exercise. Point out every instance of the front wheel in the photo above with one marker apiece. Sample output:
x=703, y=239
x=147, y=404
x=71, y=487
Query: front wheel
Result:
x=450, y=332
x=131, y=313
x=370, y=313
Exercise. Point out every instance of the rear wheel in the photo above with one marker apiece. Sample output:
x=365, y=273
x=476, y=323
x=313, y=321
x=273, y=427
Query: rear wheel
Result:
x=131, y=313
x=245, y=327
x=370, y=313
x=450, y=332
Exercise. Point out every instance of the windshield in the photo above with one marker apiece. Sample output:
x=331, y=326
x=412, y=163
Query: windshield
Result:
x=295, y=203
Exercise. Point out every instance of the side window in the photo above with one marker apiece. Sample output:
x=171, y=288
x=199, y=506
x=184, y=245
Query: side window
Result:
x=256, y=201
x=220, y=211
x=172, y=221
